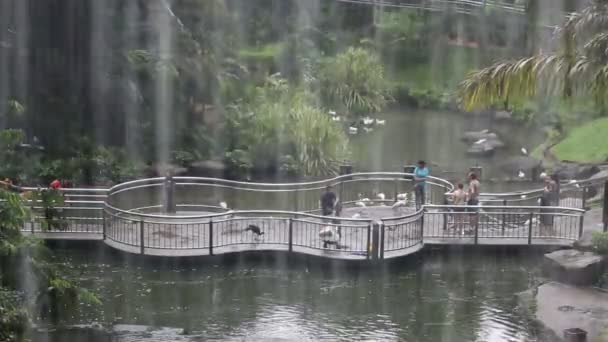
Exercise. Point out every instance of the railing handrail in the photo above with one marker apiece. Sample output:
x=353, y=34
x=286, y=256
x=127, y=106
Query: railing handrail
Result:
x=504, y=207
x=296, y=185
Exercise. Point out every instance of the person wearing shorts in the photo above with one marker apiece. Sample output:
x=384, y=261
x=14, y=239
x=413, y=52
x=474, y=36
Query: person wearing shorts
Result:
x=473, y=195
x=421, y=172
x=459, y=199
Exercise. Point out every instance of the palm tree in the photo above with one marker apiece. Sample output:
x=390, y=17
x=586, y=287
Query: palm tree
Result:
x=578, y=65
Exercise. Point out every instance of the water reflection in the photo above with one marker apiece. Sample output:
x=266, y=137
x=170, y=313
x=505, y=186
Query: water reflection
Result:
x=455, y=298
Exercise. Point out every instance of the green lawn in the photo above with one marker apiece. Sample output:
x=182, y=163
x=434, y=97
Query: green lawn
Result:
x=587, y=143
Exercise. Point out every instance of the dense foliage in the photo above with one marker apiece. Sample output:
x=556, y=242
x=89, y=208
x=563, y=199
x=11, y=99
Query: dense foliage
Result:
x=142, y=84
x=576, y=67
x=37, y=290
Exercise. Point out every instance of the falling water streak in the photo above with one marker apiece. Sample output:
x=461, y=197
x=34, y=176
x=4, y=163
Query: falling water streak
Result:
x=22, y=49
x=164, y=89
x=5, y=12
x=98, y=71
x=133, y=100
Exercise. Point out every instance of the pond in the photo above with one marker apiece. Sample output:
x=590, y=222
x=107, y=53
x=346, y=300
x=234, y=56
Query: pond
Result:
x=438, y=297
x=435, y=136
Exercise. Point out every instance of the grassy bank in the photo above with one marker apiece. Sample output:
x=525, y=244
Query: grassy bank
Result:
x=587, y=143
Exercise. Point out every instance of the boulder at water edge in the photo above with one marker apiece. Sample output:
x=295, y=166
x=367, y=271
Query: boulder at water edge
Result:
x=573, y=267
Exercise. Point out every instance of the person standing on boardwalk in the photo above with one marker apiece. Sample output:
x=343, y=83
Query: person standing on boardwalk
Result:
x=421, y=172
x=328, y=201
x=473, y=194
x=550, y=197
x=459, y=199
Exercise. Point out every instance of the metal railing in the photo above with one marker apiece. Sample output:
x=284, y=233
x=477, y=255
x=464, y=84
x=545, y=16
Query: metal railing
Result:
x=458, y=6
x=510, y=224
x=204, y=195
x=201, y=228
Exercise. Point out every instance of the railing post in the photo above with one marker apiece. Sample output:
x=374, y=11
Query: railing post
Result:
x=504, y=217
x=422, y=225
x=369, y=240
x=605, y=211
x=169, y=194
x=584, y=198
x=581, y=225
x=530, y=224
x=476, y=227
x=210, y=237
x=103, y=225
x=381, y=249
x=376, y=239
x=445, y=219
x=291, y=234
x=141, y=236
x=297, y=200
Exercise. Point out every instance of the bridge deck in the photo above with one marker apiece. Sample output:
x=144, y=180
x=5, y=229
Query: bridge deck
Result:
x=191, y=238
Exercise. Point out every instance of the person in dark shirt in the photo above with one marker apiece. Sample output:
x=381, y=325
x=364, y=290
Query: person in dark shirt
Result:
x=328, y=201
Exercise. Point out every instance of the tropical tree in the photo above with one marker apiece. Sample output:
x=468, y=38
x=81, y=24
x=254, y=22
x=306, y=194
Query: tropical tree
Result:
x=355, y=81
x=576, y=66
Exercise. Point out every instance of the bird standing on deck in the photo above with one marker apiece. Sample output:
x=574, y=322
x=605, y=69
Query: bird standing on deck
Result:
x=254, y=229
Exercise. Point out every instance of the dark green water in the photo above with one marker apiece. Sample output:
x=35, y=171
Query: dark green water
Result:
x=440, y=297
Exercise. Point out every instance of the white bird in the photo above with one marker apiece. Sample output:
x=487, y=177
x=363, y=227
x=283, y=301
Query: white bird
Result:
x=480, y=141
x=368, y=121
x=521, y=174
x=524, y=151
x=399, y=204
x=336, y=118
x=523, y=196
x=353, y=130
x=367, y=129
x=381, y=196
x=360, y=204
x=224, y=205
x=332, y=113
x=402, y=197
x=543, y=175
x=380, y=122
x=329, y=233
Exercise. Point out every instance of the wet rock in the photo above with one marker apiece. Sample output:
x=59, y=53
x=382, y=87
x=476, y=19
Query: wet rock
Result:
x=568, y=170
x=482, y=150
x=208, y=168
x=162, y=169
x=574, y=267
x=503, y=115
x=559, y=306
x=479, y=135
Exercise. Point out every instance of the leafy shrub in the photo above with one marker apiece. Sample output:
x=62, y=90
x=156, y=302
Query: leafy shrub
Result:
x=599, y=242
x=355, y=81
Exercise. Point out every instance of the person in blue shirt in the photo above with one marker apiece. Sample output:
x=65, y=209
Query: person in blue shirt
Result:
x=421, y=172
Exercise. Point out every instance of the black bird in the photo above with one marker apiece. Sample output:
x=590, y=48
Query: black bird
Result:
x=254, y=229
